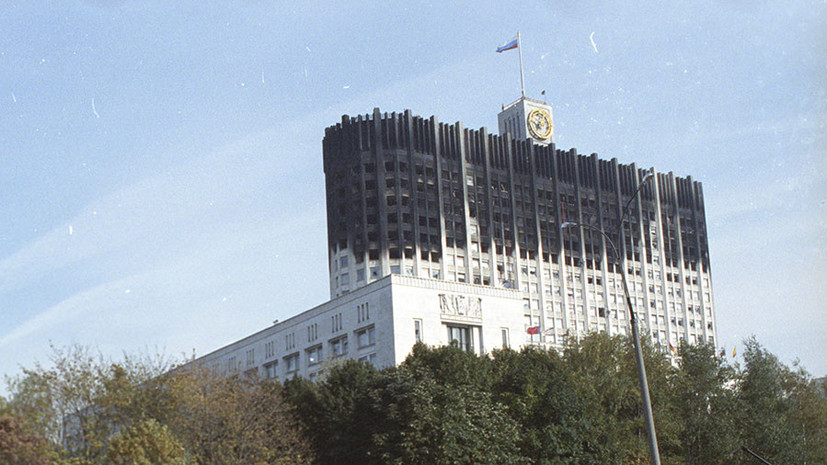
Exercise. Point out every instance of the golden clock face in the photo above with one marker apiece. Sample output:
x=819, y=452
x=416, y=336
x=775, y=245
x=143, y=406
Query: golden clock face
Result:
x=539, y=124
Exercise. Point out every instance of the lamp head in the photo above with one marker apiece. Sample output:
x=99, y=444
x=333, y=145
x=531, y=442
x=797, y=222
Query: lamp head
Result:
x=567, y=224
x=646, y=176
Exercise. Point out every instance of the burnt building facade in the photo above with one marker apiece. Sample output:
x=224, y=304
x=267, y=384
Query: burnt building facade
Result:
x=412, y=196
x=444, y=235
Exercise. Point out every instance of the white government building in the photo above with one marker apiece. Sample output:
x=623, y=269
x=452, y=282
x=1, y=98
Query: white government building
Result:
x=443, y=235
x=379, y=323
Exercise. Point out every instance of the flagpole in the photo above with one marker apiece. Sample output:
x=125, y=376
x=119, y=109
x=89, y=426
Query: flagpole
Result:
x=522, y=77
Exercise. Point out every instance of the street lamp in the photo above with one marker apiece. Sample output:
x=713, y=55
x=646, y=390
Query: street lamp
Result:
x=641, y=368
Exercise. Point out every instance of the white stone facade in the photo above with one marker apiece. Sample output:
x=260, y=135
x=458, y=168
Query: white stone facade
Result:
x=381, y=322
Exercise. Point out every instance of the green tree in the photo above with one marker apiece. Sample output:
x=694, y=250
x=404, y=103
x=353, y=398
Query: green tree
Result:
x=539, y=393
x=135, y=389
x=60, y=402
x=21, y=446
x=661, y=376
x=605, y=371
x=222, y=419
x=808, y=415
x=146, y=443
x=602, y=370
x=429, y=422
x=432, y=409
x=765, y=408
x=705, y=404
x=442, y=411
x=81, y=400
x=337, y=412
x=450, y=365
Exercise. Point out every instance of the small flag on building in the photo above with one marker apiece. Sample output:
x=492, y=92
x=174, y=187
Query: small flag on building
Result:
x=672, y=349
x=510, y=45
x=533, y=330
x=734, y=352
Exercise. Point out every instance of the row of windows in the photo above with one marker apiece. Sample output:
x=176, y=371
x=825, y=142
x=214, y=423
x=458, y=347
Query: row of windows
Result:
x=462, y=336
x=365, y=337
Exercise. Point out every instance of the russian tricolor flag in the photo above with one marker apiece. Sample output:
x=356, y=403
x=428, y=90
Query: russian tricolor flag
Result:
x=510, y=45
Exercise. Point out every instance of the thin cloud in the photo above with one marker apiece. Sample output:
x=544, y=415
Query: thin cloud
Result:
x=147, y=215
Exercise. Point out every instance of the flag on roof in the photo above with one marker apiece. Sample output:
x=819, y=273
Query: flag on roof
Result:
x=510, y=45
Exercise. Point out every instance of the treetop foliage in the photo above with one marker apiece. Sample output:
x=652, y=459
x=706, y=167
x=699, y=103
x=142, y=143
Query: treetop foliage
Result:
x=440, y=406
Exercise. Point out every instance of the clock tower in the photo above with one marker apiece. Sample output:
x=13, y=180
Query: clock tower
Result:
x=527, y=118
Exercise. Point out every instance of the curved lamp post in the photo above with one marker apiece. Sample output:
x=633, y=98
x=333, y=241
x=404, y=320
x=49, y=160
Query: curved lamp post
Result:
x=641, y=368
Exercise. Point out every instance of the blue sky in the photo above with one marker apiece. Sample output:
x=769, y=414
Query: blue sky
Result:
x=162, y=189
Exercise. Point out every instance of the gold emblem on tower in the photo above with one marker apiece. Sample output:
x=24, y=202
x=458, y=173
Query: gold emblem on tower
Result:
x=539, y=124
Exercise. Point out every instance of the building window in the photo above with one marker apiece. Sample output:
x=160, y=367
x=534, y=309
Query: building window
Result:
x=314, y=355
x=461, y=337
x=251, y=357
x=270, y=370
x=506, y=341
x=360, y=274
x=269, y=349
x=534, y=322
x=338, y=347
x=362, y=312
x=291, y=363
x=369, y=358
x=366, y=336
x=418, y=330
x=312, y=332
x=290, y=341
x=336, y=323
x=345, y=279
x=231, y=365
x=343, y=262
